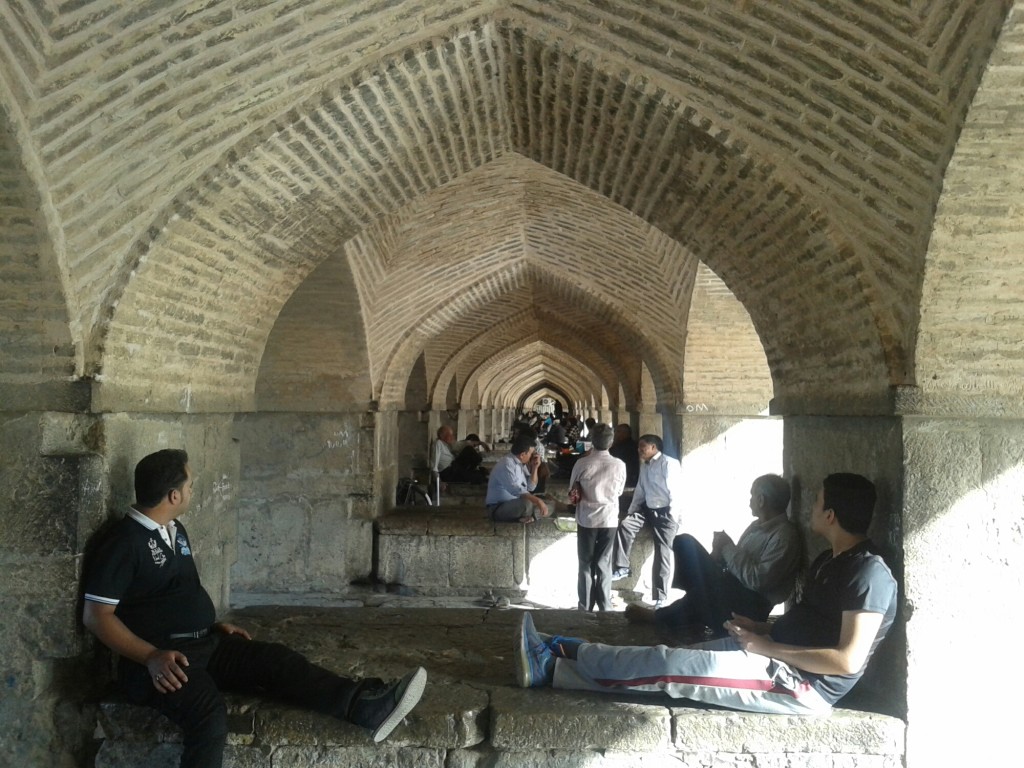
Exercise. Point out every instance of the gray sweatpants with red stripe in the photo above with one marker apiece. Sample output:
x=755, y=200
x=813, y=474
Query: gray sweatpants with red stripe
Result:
x=716, y=672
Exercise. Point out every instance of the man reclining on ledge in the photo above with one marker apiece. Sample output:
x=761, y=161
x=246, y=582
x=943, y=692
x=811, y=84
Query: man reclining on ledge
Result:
x=801, y=664
x=144, y=601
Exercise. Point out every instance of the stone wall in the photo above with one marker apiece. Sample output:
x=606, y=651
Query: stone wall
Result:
x=818, y=446
x=53, y=494
x=306, y=501
x=964, y=549
x=62, y=476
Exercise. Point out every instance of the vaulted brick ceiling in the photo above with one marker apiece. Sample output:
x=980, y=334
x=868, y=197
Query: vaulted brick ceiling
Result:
x=194, y=163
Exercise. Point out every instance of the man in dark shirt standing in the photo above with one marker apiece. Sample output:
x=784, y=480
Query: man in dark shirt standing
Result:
x=624, y=448
x=802, y=664
x=144, y=601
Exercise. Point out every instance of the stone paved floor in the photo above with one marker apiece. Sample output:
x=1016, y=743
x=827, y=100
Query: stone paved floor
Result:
x=368, y=633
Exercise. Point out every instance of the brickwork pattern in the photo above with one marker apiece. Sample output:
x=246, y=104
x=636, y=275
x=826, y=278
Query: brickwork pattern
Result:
x=35, y=338
x=197, y=157
x=315, y=356
x=969, y=344
x=738, y=381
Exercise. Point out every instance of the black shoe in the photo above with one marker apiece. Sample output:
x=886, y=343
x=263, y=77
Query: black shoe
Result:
x=620, y=573
x=381, y=710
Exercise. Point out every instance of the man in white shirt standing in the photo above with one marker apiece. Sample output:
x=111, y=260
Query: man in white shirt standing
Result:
x=657, y=502
x=601, y=479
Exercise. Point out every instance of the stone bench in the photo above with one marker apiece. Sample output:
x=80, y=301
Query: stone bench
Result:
x=473, y=716
x=458, y=725
x=458, y=550
x=450, y=551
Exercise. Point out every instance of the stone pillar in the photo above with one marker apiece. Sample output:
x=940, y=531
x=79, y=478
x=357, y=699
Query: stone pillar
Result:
x=305, y=501
x=649, y=421
x=385, y=467
x=414, y=441
x=469, y=422
x=671, y=432
x=964, y=585
x=434, y=423
x=55, y=493
x=814, y=447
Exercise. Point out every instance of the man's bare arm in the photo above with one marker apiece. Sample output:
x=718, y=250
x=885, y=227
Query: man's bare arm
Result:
x=856, y=636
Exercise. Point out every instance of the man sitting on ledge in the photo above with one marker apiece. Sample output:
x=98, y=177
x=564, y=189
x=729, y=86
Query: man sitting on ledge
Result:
x=144, y=601
x=509, y=498
x=749, y=577
x=801, y=664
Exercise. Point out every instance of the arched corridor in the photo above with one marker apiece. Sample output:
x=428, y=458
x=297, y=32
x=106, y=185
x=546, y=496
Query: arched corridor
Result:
x=296, y=237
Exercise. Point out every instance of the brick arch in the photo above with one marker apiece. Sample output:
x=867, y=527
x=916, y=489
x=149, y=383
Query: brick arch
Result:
x=39, y=344
x=543, y=389
x=724, y=368
x=530, y=324
x=508, y=374
x=315, y=357
x=968, y=347
x=329, y=165
x=613, y=325
x=458, y=238
x=505, y=365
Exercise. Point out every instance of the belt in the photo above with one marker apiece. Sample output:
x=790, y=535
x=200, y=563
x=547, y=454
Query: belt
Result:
x=658, y=510
x=199, y=633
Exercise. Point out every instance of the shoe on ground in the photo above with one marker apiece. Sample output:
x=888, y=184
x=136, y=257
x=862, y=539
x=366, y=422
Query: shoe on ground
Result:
x=381, y=710
x=621, y=573
x=639, y=614
x=535, y=663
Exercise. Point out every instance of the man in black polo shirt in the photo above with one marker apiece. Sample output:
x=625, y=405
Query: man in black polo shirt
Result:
x=802, y=664
x=144, y=600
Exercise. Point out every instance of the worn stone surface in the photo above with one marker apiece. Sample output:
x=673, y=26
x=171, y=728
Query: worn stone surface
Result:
x=847, y=732
x=307, y=521
x=524, y=720
x=472, y=713
x=358, y=757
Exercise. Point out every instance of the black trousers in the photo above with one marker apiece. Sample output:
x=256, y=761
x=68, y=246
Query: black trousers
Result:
x=230, y=663
x=663, y=528
x=594, y=548
x=712, y=593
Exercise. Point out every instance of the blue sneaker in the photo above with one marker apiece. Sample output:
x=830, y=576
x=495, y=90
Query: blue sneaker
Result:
x=535, y=663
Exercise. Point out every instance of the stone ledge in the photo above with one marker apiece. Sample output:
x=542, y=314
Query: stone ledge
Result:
x=473, y=716
x=434, y=549
x=462, y=725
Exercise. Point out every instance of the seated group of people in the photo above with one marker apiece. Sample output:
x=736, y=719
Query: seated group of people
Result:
x=144, y=600
x=802, y=663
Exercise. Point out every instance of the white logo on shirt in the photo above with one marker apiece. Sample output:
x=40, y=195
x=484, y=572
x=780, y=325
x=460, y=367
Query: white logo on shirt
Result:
x=183, y=546
x=158, y=554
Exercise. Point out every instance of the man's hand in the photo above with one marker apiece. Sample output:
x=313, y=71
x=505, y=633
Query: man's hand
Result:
x=166, y=670
x=718, y=542
x=542, y=508
x=230, y=629
x=742, y=623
